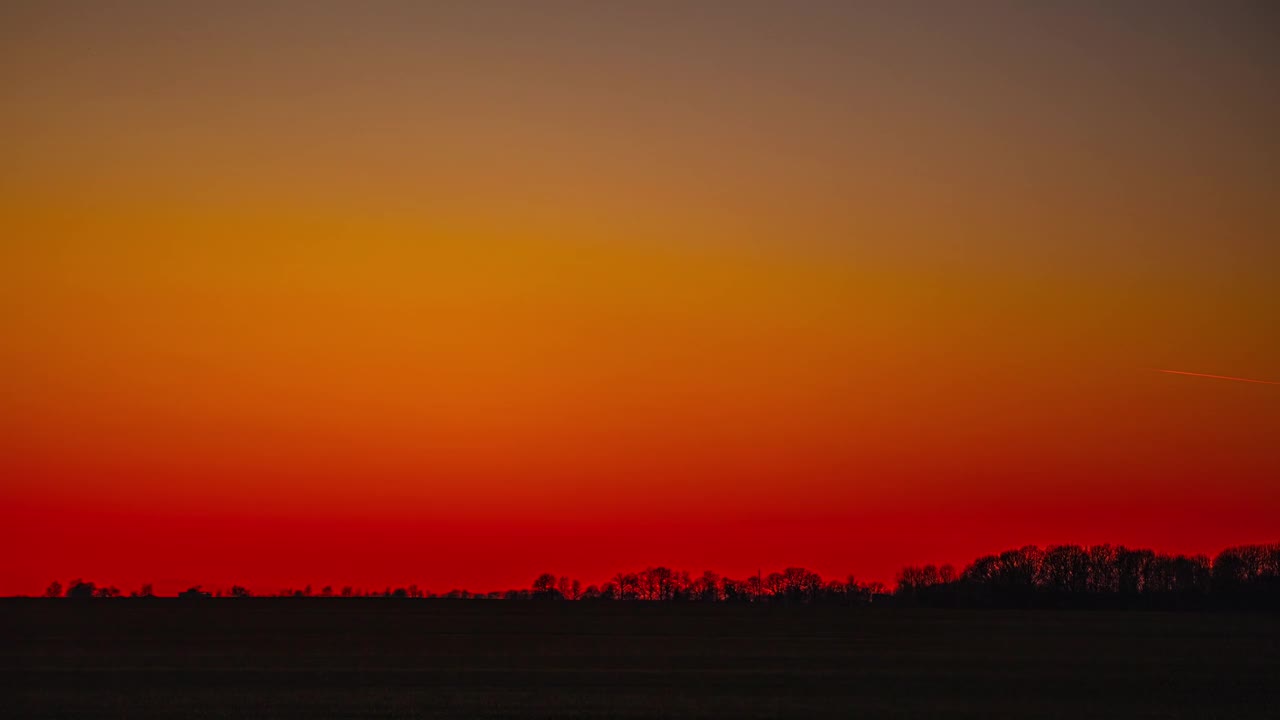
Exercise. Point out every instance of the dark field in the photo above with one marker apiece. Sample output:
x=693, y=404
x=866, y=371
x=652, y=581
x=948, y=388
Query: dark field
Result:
x=413, y=658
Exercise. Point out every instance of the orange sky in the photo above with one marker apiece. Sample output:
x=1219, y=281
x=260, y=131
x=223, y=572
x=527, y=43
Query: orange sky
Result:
x=391, y=294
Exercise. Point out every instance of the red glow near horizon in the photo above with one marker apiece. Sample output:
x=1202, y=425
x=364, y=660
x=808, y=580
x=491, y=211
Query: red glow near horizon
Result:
x=270, y=552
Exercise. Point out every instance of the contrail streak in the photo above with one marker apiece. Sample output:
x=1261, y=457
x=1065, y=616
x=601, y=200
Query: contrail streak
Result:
x=1219, y=377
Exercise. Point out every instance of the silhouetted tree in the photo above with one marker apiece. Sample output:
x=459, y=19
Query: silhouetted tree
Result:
x=54, y=590
x=707, y=588
x=80, y=589
x=734, y=590
x=1064, y=570
x=1104, y=576
x=800, y=585
x=1248, y=576
x=544, y=587
x=662, y=583
x=626, y=586
x=913, y=579
x=569, y=589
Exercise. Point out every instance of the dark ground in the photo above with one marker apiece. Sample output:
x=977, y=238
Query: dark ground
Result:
x=264, y=658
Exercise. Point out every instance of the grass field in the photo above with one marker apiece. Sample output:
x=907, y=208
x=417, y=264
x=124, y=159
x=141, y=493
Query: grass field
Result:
x=263, y=658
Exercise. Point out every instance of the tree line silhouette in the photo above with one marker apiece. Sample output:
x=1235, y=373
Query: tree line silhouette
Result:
x=1247, y=576
x=1064, y=576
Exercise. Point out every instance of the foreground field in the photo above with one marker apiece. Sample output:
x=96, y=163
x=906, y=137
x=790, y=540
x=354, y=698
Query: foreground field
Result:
x=387, y=658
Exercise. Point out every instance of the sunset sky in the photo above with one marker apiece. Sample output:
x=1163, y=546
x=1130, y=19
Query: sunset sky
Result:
x=457, y=293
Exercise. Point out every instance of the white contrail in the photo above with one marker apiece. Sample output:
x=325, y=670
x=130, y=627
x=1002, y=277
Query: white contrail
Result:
x=1218, y=377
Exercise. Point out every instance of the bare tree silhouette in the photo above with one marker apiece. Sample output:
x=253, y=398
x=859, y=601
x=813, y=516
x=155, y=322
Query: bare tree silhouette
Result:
x=1246, y=576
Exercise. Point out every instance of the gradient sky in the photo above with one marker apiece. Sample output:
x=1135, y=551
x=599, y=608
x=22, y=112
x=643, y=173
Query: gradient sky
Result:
x=455, y=294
